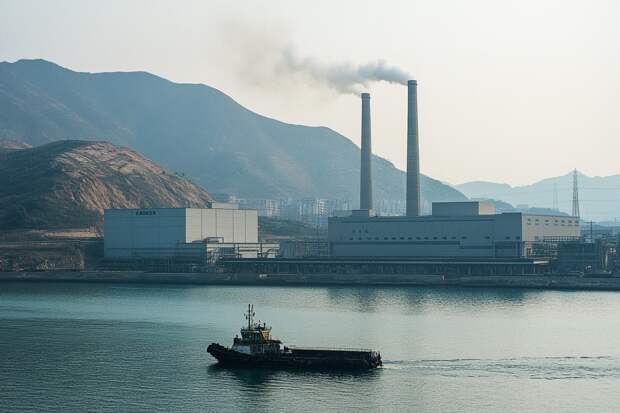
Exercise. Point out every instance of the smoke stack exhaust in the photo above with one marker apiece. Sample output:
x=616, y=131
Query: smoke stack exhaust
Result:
x=413, y=151
x=365, y=166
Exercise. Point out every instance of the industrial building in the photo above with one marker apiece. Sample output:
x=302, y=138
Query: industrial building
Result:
x=453, y=230
x=178, y=233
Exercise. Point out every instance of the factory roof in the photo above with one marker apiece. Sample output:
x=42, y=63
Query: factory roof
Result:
x=396, y=260
x=212, y=205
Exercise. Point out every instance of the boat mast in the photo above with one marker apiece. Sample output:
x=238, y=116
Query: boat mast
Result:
x=250, y=316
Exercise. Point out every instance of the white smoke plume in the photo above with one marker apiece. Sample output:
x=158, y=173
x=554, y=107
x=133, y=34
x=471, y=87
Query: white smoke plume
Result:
x=265, y=59
x=344, y=77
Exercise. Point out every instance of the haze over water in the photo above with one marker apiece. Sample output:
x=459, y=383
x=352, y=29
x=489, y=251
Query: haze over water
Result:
x=106, y=347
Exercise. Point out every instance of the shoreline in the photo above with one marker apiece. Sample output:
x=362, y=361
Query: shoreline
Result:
x=546, y=282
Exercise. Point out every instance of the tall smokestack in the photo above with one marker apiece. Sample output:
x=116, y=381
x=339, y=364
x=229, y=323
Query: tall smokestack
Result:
x=413, y=151
x=365, y=167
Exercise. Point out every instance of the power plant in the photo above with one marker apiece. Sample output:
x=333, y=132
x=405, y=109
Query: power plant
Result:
x=454, y=229
x=457, y=238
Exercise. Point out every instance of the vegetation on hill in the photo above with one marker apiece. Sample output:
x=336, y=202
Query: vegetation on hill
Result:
x=68, y=184
x=275, y=228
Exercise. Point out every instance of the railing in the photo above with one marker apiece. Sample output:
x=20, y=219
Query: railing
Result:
x=367, y=350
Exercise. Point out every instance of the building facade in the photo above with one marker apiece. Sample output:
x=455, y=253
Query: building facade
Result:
x=167, y=232
x=455, y=229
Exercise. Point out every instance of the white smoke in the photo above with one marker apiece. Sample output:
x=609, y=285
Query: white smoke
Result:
x=264, y=59
x=344, y=77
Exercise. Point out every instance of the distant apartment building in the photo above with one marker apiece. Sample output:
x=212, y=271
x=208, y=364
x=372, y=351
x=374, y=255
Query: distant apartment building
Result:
x=311, y=211
x=264, y=207
x=390, y=207
x=225, y=198
x=335, y=205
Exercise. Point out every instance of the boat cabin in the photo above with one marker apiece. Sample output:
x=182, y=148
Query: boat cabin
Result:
x=255, y=337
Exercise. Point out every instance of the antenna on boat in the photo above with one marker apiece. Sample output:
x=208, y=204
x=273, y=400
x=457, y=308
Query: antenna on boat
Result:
x=250, y=316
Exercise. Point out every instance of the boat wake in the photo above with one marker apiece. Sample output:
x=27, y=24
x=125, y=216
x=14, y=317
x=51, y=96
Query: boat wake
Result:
x=543, y=368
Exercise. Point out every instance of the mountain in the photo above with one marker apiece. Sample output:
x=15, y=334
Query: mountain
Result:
x=67, y=184
x=599, y=197
x=194, y=129
x=501, y=206
x=10, y=145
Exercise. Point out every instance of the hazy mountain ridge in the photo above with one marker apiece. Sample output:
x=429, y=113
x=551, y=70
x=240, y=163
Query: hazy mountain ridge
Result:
x=11, y=145
x=599, y=196
x=68, y=184
x=501, y=207
x=193, y=129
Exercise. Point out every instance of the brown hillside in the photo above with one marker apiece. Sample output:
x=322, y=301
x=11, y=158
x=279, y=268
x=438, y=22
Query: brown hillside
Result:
x=12, y=145
x=68, y=184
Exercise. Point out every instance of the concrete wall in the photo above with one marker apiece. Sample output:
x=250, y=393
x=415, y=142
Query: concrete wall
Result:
x=232, y=225
x=539, y=227
x=403, y=237
x=500, y=235
x=459, y=209
x=507, y=235
x=128, y=230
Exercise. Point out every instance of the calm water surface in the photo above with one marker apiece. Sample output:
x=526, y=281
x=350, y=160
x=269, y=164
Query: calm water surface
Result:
x=112, y=347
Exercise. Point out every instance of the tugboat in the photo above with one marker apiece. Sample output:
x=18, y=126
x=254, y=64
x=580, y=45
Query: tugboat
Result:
x=257, y=348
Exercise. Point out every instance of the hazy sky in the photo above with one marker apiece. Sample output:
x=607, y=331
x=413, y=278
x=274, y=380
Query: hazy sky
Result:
x=509, y=91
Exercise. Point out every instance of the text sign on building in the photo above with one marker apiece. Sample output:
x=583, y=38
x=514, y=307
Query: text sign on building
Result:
x=142, y=212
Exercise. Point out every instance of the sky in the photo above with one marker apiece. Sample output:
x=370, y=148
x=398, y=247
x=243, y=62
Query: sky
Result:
x=508, y=91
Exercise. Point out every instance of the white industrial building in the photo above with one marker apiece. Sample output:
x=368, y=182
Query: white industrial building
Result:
x=455, y=229
x=173, y=232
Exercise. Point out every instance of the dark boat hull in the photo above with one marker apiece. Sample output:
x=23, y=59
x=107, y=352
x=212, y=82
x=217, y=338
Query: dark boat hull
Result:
x=299, y=359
